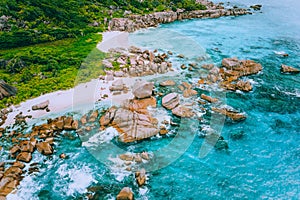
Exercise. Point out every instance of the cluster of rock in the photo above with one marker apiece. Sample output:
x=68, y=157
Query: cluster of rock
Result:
x=132, y=160
x=6, y=90
x=136, y=22
x=139, y=175
x=118, y=87
x=229, y=75
x=3, y=115
x=132, y=120
x=171, y=101
x=135, y=62
x=41, y=139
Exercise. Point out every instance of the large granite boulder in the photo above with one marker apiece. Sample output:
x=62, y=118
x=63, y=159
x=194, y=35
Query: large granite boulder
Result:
x=133, y=126
x=142, y=89
x=170, y=101
x=6, y=90
x=132, y=120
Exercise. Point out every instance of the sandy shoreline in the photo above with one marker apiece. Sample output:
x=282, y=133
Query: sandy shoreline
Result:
x=83, y=94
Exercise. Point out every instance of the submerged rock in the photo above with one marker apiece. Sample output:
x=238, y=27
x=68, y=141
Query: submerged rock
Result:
x=221, y=144
x=126, y=157
x=237, y=135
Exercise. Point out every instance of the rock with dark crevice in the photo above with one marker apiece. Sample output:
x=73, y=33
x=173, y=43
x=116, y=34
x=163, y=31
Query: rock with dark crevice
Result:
x=170, y=101
x=6, y=90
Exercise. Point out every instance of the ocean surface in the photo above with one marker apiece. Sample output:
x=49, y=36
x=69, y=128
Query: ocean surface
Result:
x=263, y=164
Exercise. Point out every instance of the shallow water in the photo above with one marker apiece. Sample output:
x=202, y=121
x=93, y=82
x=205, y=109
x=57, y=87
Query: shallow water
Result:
x=264, y=164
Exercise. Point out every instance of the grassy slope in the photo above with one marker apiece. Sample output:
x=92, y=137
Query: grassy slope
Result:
x=52, y=66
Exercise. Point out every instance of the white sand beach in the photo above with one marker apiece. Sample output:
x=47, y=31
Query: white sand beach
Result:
x=83, y=94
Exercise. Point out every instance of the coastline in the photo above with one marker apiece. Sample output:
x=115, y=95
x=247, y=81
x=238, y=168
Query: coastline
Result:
x=94, y=90
x=65, y=99
x=135, y=22
x=247, y=148
x=116, y=37
x=73, y=98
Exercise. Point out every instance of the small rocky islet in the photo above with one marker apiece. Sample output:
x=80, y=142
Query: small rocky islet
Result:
x=132, y=119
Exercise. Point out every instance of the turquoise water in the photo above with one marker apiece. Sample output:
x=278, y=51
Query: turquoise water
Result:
x=263, y=164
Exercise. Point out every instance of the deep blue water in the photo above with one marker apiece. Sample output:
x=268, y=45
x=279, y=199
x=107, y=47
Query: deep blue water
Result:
x=264, y=164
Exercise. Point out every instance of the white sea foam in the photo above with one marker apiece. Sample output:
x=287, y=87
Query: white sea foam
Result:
x=73, y=180
x=101, y=137
x=118, y=169
x=296, y=93
x=26, y=190
x=279, y=53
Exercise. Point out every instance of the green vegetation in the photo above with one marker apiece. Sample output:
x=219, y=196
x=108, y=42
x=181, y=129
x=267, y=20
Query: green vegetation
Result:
x=43, y=43
x=43, y=68
x=30, y=22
